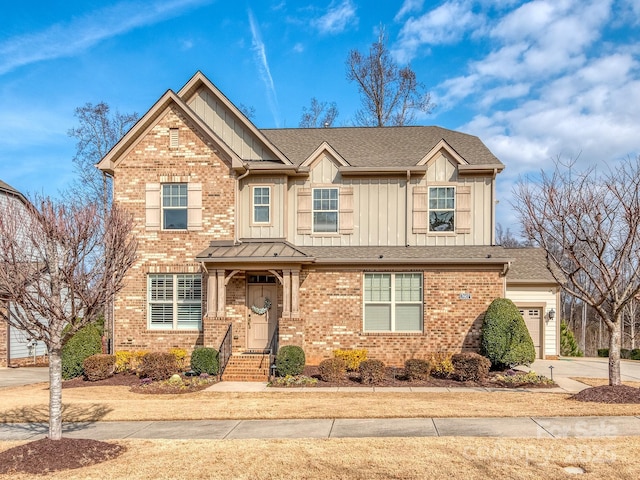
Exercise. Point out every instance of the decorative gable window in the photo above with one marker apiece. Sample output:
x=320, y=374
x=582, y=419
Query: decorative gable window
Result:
x=173, y=206
x=441, y=209
x=393, y=302
x=175, y=301
x=261, y=204
x=325, y=210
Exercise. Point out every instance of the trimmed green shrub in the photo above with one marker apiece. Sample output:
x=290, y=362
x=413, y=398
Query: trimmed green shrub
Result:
x=417, y=369
x=205, y=360
x=332, y=369
x=371, y=371
x=158, y=365
x=625, y=353
x=603, y=352
x=99, y=366
x=635, y=354
x=505, y=338
x=470, y=366
x=352, y=358
x=568, y=343
x=86, y=342
x=290, y=360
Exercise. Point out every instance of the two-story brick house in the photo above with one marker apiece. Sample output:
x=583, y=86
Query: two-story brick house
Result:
x=375, y=238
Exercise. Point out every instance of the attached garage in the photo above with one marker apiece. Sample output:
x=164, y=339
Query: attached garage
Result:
x=533, y=318
x=536, y=293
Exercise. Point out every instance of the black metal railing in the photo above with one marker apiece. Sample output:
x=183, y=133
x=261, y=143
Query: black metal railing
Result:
x=273, y=348
x=225, y=351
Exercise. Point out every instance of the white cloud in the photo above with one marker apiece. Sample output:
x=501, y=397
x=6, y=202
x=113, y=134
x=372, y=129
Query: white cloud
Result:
x=80, y=34
x=260, y=52
x=298, y=48
x=445, y=24
x=338, y=17
x=409, y=6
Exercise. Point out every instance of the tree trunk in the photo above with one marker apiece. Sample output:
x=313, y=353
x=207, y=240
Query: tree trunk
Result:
x=55, y=394
x=614, y=353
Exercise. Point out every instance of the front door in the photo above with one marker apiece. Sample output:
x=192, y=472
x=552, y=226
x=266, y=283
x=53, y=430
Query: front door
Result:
x=263, y=312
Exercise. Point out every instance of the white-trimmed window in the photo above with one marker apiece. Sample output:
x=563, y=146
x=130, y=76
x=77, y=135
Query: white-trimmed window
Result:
x=261, y=204
x=393, y=302
x=442, y=208
x=174, y=206
x=325, y=210
x=175, y=301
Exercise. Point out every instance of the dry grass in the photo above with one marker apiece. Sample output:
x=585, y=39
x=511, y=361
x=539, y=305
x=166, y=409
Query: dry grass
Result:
x=598, y=382
x=30, y=404
x=368, y=458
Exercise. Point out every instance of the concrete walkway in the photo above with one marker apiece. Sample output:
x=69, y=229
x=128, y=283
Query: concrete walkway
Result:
x=522, y=427
x=14, y=377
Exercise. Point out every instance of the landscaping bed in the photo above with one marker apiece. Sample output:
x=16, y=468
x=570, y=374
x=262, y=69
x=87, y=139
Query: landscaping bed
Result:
x=146, y=386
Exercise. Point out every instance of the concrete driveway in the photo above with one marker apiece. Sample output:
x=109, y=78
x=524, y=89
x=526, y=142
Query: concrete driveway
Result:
x=586, y=367
x=13, y=377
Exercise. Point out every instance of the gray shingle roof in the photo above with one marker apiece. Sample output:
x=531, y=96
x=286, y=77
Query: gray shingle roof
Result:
x=529, y=265
x=379, y=147
x=8, y=188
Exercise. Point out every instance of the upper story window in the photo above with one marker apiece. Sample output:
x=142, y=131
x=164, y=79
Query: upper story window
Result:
x=175, y=301
x=442, y=209
x=261, y=204
x=174, y=206
x=325, y=210
x=393, y=302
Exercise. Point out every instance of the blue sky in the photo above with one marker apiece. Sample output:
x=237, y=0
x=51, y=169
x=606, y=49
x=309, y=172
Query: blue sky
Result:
x=534, y=80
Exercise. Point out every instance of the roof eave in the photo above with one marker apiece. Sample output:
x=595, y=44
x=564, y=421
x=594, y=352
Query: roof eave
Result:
x=355, y=171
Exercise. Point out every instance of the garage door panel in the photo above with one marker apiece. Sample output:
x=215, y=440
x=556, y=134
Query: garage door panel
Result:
x=532, y=318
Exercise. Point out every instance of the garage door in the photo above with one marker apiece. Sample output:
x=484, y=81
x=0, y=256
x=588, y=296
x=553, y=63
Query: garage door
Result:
x=532, y=318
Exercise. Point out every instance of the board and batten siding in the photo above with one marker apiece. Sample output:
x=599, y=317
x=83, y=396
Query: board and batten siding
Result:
x=276, y=227
x=545, y=298
x=383, y=207
x=229, y=127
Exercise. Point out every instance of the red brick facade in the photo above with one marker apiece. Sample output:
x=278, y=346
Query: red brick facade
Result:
x=331, y=315
x=152, y=160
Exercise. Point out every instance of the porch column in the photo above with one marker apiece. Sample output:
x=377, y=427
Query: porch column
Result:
x=295, y=301
x=286, y=293
x=222, y=297
x=212, y=294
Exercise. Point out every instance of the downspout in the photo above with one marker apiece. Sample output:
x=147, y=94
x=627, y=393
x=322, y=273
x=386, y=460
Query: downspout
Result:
x=493, y=208
x=110, y=308
x=236, y=209
x=505, y=270
x=406, y=210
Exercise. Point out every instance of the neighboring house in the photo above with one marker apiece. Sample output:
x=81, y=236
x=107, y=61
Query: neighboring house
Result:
x=16, y=346
x=374, y=238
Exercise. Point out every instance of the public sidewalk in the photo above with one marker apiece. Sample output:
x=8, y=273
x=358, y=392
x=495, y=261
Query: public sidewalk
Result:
x=522, y=427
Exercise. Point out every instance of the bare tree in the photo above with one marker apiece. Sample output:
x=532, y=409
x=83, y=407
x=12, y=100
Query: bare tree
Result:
x=390, y=95
x=589, y=224
x=97, y=133
x=319, y=114
x=508, y=239
x=59, y=265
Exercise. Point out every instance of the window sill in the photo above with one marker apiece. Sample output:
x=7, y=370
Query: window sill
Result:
x=171, y=330
x=395, y=334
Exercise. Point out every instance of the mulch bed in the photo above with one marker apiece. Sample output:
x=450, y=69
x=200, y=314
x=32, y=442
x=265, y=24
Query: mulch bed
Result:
x=394, y=377
x=138, y=385
x=609, y=394
x=45, y=456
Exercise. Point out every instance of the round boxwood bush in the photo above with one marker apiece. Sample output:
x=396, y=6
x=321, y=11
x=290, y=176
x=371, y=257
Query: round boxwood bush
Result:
x=290, y=360
x=205, y=360
x=505, y=338
x=332, y=369
x=86, y=342
x=371, y=371
x=417, y=369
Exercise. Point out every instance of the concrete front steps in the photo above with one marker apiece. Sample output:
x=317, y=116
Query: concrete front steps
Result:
x=247, y=367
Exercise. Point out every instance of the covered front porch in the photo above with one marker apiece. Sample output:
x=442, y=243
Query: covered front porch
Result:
x=250, y=288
